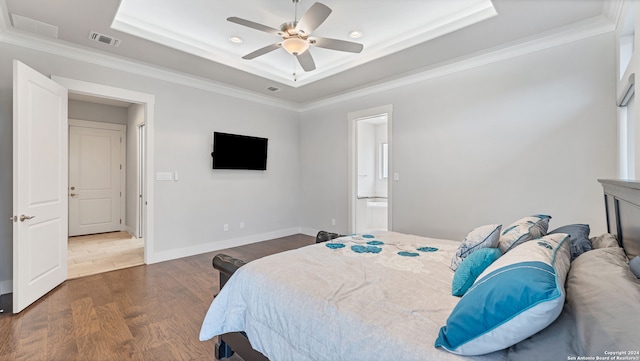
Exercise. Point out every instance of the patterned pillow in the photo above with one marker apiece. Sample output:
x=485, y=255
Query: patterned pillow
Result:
x=471, y=267
x=518, y=295
x=480, y=237
x=523, y=230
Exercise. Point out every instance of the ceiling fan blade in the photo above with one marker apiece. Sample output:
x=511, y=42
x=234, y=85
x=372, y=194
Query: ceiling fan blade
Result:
x=253, y=25
x=315, y=16
x=336, y=44
x=262, y=51
x=306, y=61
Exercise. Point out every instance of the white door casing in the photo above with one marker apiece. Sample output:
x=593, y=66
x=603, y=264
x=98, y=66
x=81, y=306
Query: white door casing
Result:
x=40, y=175
x=96, y=177
x=148, y=101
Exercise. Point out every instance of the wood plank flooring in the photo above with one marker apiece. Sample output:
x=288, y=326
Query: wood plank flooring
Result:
x=104, y=252
x=149, y=312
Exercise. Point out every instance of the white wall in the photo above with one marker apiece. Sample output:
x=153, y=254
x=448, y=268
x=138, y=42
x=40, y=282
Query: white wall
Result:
x=366, y=159
x=190, y=213
x=491, y=144
x=103, y=113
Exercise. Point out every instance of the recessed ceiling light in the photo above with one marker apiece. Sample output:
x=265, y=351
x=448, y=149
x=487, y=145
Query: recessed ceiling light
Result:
x=355, y=34
x=236, y=39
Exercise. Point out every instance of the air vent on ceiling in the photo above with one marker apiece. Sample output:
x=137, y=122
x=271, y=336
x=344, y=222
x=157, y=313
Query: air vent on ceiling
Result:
x=105, y=39
x=273, y=89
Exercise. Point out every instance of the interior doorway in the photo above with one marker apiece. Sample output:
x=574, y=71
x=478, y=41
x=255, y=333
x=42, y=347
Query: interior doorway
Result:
x=102, y=237
x=139, y=153
x=369, y=169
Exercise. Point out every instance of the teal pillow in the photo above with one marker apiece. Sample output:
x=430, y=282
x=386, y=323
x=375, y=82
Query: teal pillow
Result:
x=471, y=267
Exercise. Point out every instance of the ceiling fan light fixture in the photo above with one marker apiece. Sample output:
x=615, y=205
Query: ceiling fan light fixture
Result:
x=236, y=39
x=295, y=46
x=355, y=34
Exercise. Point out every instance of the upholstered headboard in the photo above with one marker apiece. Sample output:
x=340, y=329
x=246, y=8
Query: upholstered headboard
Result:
x=622, y=204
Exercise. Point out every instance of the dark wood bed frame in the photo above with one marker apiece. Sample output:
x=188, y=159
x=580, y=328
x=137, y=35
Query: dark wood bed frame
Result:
x=622, y=210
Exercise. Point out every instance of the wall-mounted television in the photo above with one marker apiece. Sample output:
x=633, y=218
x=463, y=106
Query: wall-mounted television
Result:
x=235, y=151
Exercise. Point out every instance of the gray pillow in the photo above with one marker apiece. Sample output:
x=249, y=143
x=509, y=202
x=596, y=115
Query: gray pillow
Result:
x=579, y=234
x=634, y=264
x=601, y=311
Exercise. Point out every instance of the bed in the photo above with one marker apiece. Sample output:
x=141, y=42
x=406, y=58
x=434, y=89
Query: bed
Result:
x=390, y=296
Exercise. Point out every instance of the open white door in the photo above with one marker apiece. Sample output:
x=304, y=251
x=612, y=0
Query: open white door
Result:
x=40, y=175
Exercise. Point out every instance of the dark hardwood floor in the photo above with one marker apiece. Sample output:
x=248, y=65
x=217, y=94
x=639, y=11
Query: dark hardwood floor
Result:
x=149, y=312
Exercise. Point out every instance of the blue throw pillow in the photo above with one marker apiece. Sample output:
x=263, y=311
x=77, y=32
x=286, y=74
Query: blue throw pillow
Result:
x=579, y=234
x=471, y=267
x=518, y=295
x=634, y=264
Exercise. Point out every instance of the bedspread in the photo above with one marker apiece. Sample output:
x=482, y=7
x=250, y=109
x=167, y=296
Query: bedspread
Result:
x=377, y=298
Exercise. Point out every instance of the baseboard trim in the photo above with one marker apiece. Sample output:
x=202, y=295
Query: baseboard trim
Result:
x=309, y=231
x=222, y=244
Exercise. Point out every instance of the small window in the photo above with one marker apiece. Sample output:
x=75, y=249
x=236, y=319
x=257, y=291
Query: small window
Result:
x=384, y=160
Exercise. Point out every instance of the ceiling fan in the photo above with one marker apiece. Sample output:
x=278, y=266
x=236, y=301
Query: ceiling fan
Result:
x=296, y=38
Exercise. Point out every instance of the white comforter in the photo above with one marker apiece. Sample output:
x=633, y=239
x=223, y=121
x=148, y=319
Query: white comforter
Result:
x=317, y=303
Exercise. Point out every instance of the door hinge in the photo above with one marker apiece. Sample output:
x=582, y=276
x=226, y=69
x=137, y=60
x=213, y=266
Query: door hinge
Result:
x=121, y=221
x=120, y=194
x=120, y=166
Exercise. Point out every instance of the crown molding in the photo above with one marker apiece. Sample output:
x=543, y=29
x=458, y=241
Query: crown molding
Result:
x=581, y=30
x=612, y=10
x=23, y=39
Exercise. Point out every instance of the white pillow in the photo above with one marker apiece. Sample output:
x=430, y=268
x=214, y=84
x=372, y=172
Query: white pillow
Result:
x=518, y=295
x=480, y=237
x=522, y=230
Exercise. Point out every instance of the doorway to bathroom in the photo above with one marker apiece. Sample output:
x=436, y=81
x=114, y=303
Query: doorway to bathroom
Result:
x=370, y=168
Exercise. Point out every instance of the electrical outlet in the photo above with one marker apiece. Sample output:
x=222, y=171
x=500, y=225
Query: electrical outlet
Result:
x=333, y=222
x=241, y=225
x=226, y=227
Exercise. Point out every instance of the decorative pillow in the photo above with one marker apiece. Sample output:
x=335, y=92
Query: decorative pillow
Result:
x=605, y=240
x=518, y=295
x=579, y=234
x=601, y=312
x=471, y=267
x=523, y=230
x=634, y=265
x=480, y=237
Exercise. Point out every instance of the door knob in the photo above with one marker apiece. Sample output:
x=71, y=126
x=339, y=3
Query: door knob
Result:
x=23, y=217
x=74, y=194
x=73, y=188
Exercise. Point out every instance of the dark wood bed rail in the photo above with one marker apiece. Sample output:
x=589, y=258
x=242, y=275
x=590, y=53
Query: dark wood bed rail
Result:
x=622, y=207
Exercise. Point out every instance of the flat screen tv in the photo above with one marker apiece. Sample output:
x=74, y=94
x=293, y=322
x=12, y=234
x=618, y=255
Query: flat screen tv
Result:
x=234, y=151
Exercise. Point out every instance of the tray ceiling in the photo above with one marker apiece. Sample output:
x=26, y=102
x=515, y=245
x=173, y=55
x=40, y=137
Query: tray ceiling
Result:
x=190, y=38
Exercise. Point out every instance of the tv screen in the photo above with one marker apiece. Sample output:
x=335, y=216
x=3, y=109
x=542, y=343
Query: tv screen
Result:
x=234, y=151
